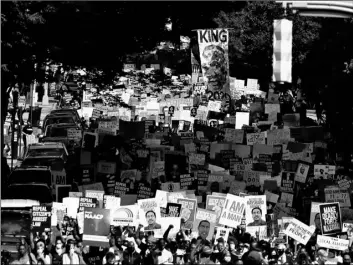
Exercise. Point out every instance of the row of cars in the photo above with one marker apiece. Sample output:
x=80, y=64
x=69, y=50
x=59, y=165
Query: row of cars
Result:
x=31, y=182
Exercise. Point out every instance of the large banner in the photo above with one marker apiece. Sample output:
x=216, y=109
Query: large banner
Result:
x=213, y=46
x=332, y=243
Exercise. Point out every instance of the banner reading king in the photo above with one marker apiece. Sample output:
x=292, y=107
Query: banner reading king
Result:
x=213, y=46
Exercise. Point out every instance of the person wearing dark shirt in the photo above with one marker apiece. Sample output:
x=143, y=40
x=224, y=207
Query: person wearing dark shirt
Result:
x=58, y=251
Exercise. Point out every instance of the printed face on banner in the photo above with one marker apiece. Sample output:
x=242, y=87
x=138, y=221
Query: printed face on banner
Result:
x=330, y=216
x=215, y=203
x=188, y=210
x=302, y=173
x=204, y=224
x=256, y=210
x=149, y=214
x=315, y=215
x=213, y=46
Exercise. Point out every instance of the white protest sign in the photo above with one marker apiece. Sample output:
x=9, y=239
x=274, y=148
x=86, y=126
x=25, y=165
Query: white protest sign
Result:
x=242, y=118
x=74, y=134
x=335, y=194
x=222, y=233
x=251, y=83
x=332, y=243
x=299, y=231
x=233, y=211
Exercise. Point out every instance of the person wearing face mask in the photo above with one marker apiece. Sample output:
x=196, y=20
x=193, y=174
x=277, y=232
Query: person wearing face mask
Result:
x=347, y=260
x=70, y=257
x=58, y=251
x=41, y=253
x=130, y=256
x=283, y=258
x=232, y=248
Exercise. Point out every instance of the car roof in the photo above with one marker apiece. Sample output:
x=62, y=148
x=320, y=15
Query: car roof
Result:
x=39, y=168
x=18, y=203
x=62, y=125
x=46, y=145
x=59, y=115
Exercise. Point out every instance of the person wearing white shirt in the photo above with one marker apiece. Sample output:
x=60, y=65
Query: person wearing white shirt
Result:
x=162, y=255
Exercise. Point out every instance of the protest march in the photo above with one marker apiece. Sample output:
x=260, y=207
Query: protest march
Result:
x=164, y=167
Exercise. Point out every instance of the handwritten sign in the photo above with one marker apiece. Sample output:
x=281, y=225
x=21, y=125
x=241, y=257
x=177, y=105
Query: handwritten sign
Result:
x=256, y=138
x=335, y=194
x=197, y=159
x=74, y=134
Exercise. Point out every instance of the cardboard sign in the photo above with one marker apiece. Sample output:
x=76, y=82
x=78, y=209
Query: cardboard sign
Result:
x=234, y=135
x=233, y=211
x=330, y=216
x=96, y=227
x=332, y=243
x=41, y=218
x=197, y=159
x=256, y=138
x=188, y=211
x=299, y=231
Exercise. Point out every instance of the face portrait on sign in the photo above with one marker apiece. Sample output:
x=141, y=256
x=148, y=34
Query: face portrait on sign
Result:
x=193, y=112
x=171, y=110
x=215, y=67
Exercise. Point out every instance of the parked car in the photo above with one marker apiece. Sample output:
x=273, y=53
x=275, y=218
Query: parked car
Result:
x=66, y=111
x=66, y=118
x=28, y=174
x=58, y=133
x=46, y=149
x=41, y=192
x=16, y=223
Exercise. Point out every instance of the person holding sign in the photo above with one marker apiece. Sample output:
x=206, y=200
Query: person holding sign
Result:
x=256, y=215
x=151, y=220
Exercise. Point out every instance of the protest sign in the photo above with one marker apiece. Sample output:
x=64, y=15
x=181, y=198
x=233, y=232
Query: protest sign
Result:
x=58, y=212
x=166, y=222
x=76, y=194
x=187, y=182
x=233, y=210
x=222, y=233
x=87, y=203
x=256, y=138
x=302, y=172
x=215, y=203
x=332, y=243
x=111, y=202
x=96, y=227
x=204, y=224
x=98, y=194
x=242, y=118
x=330, y=217
x=144, y=192
x=41, y=218
x=213, y=43
x=299, y=231
x=188, y=211
x=257, y=231
x=162, y=197
x=173, y=209
x=255, y=210
x=197, y=159
x=125, y=216
x=71, y=204
x=74, y=134
x=287, y=182
x=149, y=214
x=121, y=189
x=335, y=194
